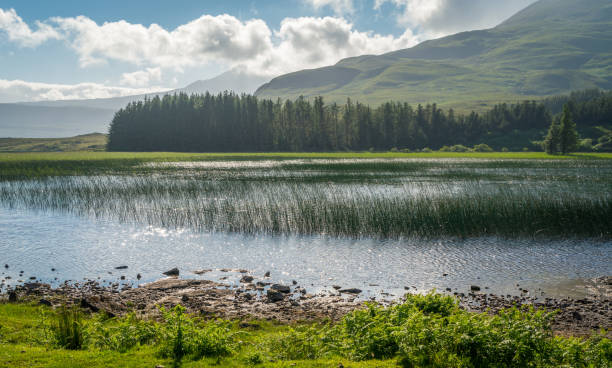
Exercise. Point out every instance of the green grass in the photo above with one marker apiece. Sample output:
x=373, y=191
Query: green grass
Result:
x=87, y=142
x=423, y=331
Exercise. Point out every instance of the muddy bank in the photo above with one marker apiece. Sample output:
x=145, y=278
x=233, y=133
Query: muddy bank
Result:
x=259, y=299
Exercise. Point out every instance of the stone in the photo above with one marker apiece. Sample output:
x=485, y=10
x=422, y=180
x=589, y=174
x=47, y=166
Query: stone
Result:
x=337, y=287
x=267, y=274
x=138, y=277
x=475, y=288
x=294, y=282
x=274, y=296
x=282, y=288
x=201, y=272
x=172, y=272
x=577, y=316
x=122, y=277
x=121, y=268
x=87, y=305
x=6, y=266
x=12, y=297
x=44, y=302
x=246, y=279
x=53, y=270
x=351, y=291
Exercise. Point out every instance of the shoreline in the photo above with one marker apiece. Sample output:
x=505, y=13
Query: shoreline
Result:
x=261, y=299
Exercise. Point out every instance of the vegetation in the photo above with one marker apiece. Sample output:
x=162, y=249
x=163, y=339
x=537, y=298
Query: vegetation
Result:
x=423, y=331
x=87, y=142
x=343, y=197
x=231, y=123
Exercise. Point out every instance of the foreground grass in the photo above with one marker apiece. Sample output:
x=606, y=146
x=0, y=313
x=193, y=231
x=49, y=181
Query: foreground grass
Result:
x=424, y=331
x=86, y=142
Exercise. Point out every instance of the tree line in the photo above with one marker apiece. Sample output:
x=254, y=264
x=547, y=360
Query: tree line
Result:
x=228, y=122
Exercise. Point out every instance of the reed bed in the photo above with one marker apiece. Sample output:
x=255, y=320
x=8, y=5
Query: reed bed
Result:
x=413, y=208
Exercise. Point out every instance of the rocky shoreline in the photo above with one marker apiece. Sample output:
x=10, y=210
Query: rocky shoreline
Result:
x=261, y=299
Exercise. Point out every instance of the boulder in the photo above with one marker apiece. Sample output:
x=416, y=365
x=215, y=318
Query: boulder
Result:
x=474, y=288
x=274, y=296
x=246, y=279
x=282, y=288
x=172, y=272
x=351, y=291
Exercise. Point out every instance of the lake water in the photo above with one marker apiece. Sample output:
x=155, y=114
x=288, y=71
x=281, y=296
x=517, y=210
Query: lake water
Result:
x=81, y=247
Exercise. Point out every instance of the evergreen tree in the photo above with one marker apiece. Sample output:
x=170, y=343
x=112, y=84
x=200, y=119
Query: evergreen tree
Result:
x=569, y=135
x=552, y=141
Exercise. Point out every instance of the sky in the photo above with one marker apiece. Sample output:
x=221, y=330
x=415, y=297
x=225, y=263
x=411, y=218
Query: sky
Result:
x=76, y=49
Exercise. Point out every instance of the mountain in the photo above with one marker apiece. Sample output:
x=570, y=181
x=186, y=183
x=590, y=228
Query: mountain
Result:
x=550, y=47
x=52, y=119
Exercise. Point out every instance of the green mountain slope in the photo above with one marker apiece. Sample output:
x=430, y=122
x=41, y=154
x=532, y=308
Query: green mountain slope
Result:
x=551, y=47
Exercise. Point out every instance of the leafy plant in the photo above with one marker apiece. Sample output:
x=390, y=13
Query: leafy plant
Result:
x=68, y=330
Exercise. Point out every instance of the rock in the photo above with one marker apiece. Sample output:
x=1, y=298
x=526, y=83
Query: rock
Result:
x=87, y=305
x=267, y=274
x=53, y=270
x=6, y=266
x=121, y=268
x=294, y=282
x=351, y=291
x=448, y=289
x=475, y=288
x=32, y=277
x=138, y=277
x=201, y=272
x=185, y=298
x=12, y=297
x=246, y=279
x=577, y=316
x=282, y=288
x=274, y=296
x=444, y=274
x=172, y=272
x=44, y=302
x=337, y=287
x=122, y=277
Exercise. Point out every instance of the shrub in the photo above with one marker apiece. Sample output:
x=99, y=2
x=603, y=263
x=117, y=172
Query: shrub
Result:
x=482, y=148
x=68, y=331
x=426, y=150
x=180, y=336
x=505, y=149
x=459, y=148
x=302, y=343
x=445, y=149
x=125, y=334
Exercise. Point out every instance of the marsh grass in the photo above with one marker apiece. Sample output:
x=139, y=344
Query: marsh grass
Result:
x=377, y=197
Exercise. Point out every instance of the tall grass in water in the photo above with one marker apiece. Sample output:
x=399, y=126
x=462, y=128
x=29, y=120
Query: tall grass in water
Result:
x=468, y=208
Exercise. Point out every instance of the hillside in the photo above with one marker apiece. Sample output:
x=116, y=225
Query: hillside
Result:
x=551, y=47
x=87, y=142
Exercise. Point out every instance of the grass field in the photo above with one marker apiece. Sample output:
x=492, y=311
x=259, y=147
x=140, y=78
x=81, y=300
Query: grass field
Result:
x=87, y=142
x=423, y=331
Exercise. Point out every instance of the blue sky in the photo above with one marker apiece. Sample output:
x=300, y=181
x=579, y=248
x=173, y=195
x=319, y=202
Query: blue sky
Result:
x=85, y=49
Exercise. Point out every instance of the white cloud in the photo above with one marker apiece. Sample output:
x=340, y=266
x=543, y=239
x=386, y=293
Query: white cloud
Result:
x=207, y=38
x=141, y=78
x=18, y=90
x=442, y=17
x=339, y=6
x=19, y=32
x=313, y=42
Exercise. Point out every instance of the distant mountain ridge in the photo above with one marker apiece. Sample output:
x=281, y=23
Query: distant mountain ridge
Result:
x=63, y=118
x=551, y=47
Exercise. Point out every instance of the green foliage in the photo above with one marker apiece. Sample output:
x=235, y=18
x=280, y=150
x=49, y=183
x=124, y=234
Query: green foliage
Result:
x=181, y=336
x=483, y=148
x=552, y=141
x=68, y=331
x=302, y=343
x=568, y=134
x=127, y=333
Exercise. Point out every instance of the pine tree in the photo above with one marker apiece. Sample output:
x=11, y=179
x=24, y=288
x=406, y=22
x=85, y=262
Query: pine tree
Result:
x=553, y=138
x=569, y=135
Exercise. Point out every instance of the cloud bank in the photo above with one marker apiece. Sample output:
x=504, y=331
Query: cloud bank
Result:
x=18, y=90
